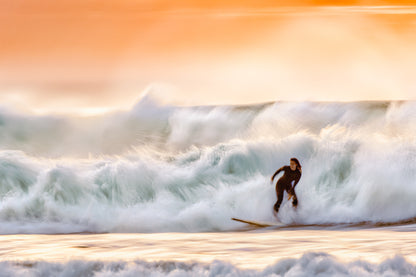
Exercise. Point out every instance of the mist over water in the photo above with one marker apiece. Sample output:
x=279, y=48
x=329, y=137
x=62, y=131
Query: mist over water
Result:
x=163, y=168
x=224, y=55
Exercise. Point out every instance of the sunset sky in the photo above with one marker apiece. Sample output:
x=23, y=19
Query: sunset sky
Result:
x=91, y=56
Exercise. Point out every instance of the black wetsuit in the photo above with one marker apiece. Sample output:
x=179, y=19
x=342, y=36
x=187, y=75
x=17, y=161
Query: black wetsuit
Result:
x=285, y=183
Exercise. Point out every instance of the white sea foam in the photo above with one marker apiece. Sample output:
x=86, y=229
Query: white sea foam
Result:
x=164, y=168
x=310, y=264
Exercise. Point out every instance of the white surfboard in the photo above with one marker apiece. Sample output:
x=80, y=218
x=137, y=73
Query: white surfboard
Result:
x=260, y=223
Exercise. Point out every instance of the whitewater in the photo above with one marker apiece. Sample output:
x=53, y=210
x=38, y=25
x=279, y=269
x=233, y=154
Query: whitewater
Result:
x=314, y=264
x=159, y=168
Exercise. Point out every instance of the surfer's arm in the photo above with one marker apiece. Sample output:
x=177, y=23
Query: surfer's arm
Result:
x=296, y=181
x=292, y=191
x=277, y=172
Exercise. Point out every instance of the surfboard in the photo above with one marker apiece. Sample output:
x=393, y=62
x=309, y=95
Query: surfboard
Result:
x=259, y=223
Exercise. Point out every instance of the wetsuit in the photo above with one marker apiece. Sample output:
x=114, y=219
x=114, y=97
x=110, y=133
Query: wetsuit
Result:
x=285, y=183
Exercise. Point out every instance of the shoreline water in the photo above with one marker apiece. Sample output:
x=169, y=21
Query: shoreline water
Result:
x=255, y=249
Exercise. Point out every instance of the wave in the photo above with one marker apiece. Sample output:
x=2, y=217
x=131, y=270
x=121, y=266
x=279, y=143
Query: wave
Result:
x=171, y=128
x=310, y=264
x=165, y=168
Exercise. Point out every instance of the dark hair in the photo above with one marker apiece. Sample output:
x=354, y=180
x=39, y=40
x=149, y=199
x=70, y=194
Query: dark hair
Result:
x=297, y=163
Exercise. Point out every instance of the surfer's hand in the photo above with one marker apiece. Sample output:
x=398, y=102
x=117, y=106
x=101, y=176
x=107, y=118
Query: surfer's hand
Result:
x=295, y=201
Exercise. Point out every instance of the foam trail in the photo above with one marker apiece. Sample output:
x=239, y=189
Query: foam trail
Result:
x=310, y=264
x=193, y=168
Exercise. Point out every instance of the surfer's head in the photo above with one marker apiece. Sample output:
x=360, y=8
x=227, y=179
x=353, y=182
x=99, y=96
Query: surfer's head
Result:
x=295, y=164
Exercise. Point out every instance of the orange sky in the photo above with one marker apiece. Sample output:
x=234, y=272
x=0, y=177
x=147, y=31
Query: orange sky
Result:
x=62, y=55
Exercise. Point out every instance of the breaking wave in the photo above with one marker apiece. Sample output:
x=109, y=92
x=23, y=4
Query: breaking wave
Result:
x=311, y=264
x=167, y=168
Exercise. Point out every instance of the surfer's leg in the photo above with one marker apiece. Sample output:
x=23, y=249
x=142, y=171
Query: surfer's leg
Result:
x=292, y=193
x=279, y=194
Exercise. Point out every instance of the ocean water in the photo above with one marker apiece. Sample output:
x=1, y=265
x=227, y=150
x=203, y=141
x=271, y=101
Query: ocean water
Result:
x=166, y=176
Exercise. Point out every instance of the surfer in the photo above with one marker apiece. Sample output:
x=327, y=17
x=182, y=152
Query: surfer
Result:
x=292, y=173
